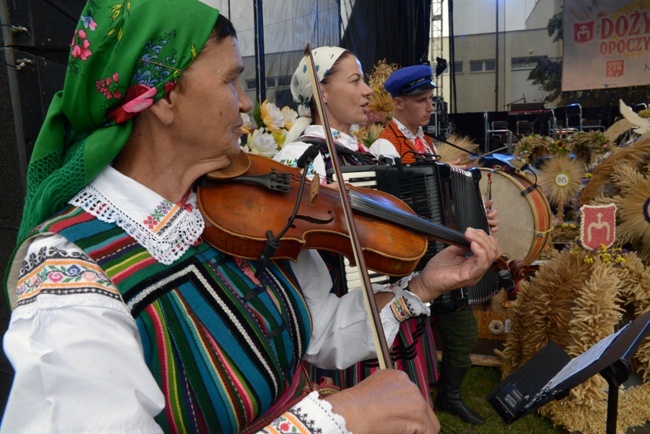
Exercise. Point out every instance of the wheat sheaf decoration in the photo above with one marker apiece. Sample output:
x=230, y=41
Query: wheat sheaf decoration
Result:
x=577, y=298
x=450, y=154
x=633, y=206
x=588, y=146
x=635, y=155
x=381, y=107
x=618, y=128
x=560, y=179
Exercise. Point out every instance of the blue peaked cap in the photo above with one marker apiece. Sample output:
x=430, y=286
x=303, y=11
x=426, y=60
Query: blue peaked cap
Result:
x=410, y=80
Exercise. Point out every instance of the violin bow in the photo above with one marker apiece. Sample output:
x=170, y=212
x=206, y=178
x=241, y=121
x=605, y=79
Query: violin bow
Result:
x=383, y=354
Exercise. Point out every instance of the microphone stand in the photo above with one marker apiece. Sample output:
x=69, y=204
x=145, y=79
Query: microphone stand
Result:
x=493, y=151
x=456, y=146
x=474, y=154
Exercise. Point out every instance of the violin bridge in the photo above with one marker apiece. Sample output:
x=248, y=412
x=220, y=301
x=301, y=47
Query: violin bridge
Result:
x=313, y=188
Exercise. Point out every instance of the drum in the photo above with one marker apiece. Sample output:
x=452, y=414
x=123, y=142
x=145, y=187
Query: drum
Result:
x=524, y=220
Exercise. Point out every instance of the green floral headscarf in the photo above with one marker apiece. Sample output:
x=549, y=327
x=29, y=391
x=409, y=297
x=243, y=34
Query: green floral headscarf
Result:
x=125, y=54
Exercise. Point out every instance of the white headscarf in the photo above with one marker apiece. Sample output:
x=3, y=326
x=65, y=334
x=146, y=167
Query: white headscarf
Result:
x=324, y=59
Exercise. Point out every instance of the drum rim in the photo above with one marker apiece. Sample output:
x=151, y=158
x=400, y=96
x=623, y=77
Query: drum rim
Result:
x=539, y=242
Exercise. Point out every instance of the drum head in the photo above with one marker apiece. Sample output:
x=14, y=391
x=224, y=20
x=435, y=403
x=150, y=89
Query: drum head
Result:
x=517, y=232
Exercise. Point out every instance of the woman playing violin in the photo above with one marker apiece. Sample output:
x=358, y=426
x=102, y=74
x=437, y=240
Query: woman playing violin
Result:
x=123, y=319
x=346, y=97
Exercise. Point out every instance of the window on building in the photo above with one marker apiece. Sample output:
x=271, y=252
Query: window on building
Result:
x=270, y=81
x=518, y=63
x=482, y=65
x=458, y=68
x=284, y=80
x=251, y=83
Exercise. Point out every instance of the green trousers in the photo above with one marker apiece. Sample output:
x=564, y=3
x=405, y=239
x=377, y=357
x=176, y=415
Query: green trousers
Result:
x=459, y=331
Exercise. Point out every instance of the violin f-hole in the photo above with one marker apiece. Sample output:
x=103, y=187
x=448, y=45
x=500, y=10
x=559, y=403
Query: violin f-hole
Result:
x=315, y=220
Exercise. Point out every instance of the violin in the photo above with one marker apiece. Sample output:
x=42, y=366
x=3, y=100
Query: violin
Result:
x=241, y=211
x=247, y=209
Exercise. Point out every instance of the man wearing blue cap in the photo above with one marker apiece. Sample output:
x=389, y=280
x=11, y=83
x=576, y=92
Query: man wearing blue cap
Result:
x=412, y=91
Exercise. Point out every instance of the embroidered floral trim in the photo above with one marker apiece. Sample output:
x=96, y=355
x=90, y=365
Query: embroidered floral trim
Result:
x=167, y=232
x=413, y=303
x=347, y=141
x=290, y=423
x=400, y=309
x=407, y=133
x=311, y=415
x=57, y=272
x=154, y=219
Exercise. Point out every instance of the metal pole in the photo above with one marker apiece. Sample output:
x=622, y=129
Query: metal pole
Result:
x=260, y=68
x=496, y=62
x=340, y=23
x=452, y=57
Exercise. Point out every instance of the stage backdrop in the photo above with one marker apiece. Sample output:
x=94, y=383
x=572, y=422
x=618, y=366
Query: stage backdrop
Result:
x=606, y=45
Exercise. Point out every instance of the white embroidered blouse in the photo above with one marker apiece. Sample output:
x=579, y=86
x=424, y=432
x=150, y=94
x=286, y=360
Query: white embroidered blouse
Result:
x=75, y=346
x=291, y=152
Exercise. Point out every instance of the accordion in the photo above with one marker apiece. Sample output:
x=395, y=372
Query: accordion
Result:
x=445, y=195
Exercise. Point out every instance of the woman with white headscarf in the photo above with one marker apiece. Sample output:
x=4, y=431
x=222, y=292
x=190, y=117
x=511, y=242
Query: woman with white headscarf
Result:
x=346, y=97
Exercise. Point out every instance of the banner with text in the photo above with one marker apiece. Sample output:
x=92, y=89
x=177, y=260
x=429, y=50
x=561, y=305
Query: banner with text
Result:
x=606, y=44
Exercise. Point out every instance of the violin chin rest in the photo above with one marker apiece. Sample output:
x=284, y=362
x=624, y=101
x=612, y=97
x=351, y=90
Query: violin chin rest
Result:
x=238, y=166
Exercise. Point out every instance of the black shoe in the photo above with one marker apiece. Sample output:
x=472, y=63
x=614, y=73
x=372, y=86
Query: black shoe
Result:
x=448, y=398
x=454, y=405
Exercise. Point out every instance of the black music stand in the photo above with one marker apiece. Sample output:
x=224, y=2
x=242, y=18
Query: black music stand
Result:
x=552, y=373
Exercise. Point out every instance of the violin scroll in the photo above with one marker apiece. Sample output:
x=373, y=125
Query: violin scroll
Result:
x=510, y=273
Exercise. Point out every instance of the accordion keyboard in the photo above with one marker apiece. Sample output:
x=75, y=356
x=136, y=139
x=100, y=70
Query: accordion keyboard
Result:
x=440, y=193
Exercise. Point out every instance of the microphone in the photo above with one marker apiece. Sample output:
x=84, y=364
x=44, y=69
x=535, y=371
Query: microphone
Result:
x=528, y=190
x=307, y=157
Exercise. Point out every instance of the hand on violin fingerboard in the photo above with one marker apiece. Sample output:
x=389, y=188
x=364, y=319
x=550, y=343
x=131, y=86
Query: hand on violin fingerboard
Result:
x=451, y=268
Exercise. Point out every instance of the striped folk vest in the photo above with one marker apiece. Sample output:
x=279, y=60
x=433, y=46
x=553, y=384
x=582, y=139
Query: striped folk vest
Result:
x=223, y=346
x=403, y=145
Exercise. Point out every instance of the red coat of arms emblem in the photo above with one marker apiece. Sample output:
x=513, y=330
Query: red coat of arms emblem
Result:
x=583, y=32
x=598, y=225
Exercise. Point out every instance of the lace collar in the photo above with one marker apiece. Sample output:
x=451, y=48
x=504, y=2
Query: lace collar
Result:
x=165, y=229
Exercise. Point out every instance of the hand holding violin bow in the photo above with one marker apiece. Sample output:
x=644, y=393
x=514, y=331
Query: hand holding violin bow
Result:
x=386, y=402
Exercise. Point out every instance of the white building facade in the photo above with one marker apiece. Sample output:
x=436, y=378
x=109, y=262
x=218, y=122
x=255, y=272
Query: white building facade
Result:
x=496, y=44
